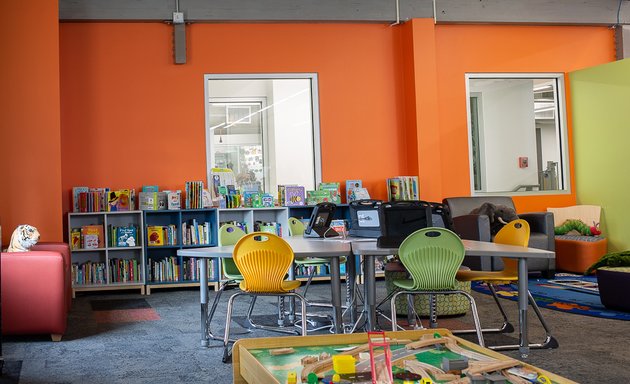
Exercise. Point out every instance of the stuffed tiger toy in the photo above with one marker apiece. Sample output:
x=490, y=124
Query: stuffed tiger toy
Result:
x=23, y=238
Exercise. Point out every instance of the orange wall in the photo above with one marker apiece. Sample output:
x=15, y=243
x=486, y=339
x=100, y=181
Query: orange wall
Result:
x=30, y=143
x=130, y=116
x=459, y=49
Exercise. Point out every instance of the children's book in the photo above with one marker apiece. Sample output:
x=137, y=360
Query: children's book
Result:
x=76, y=191
x=335, y=193
x=126, y=236
x=294, y=195
x=92, y=236
x=150, y=188
x=318, y=196
x=119, y=200
x=267, y=200
x=75, y=238
x=155, y=236
x=359, y=194
x=350, y=185
x=174, y=199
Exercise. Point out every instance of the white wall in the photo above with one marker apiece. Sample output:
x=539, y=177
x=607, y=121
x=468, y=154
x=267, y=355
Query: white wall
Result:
x=508, y=117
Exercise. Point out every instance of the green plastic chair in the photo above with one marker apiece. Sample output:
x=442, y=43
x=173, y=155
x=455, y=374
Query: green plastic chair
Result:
x=432, y=256
x=230, y=234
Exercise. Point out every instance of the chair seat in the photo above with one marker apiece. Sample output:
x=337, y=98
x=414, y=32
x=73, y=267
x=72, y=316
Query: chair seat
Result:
x=497, y=277
x=316, y=261
x=405, y=284
x=287, y=285
x=233, y=277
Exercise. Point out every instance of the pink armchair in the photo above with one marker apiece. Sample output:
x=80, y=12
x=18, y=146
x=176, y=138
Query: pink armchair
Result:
x=36, y=290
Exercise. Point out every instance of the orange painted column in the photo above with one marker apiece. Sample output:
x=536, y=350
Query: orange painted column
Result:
x=30, y=138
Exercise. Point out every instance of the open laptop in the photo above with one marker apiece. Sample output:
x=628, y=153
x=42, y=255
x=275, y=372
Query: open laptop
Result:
x=399, y=219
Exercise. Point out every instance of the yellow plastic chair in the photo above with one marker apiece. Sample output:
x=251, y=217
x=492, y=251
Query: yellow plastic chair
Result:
x=263, y=260
x=432, y=256
x=229, y=234
x=514, y=233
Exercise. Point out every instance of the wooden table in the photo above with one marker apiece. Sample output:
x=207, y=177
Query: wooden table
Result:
x=247, y=353
x=370, y=251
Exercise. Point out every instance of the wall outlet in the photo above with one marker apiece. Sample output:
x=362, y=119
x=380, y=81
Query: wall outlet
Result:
x=523, y=162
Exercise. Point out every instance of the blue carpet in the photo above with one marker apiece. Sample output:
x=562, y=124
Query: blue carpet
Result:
x=560, y=298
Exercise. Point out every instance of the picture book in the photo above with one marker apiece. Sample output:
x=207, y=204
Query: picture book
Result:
x=92, y=236
x=173, y=199
x=282, y=193
x=257, y=201
x=155, y=236
x=267, y=200
x=318, y=196
x=359, y=194
x=75, y=238
x=150, y=188
x=76, y=191
x=335, y=193
x=126, y=236
x=350, y=185
x=294, y=196
x=119, y=200
x=403, y=188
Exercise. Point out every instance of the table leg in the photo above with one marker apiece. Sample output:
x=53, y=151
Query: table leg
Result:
x=369, y=288
x=522, y=307
x=203, y=298
x=351, y=277
x=335, y=286
x=292, y=298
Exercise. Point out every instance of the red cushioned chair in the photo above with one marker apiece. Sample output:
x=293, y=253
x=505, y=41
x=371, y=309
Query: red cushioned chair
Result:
x=36, y=290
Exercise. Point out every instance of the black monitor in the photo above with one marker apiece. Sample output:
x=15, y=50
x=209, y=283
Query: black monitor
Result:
x=400, y=219
x=319, y=224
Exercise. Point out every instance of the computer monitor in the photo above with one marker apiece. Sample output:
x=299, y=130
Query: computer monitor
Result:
x=400, y=219
x=319, y=223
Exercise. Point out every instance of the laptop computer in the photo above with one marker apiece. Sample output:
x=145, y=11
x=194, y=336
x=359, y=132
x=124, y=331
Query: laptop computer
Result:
x=400, y=219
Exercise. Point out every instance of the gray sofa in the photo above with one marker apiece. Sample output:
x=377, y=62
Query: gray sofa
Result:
x=477, y=227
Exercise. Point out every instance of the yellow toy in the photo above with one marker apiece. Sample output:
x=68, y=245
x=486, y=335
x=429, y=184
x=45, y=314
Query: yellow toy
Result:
x=343, y=364
x=292, y=378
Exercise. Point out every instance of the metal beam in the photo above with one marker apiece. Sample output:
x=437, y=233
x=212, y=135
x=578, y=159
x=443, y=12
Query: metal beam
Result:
x=583, y=12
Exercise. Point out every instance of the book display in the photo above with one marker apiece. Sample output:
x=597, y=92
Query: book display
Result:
x=403, y=188
x=86, y=199
x=106, y=250
x=169, y=230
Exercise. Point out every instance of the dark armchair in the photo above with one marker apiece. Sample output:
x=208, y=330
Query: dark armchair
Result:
x=477, y=227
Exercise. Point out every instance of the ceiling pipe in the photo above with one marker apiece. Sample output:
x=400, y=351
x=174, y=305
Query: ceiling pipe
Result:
x=397, y=14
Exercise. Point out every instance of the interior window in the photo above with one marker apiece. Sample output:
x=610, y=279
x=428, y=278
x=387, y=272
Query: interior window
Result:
x=517, y=133
x=265, y=128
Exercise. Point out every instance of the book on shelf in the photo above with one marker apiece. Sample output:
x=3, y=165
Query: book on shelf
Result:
x=359, y=194
x=174, y=199
x=86, y=199
x=155, y=236
x=194, y=194
x=76, y=194
x=92, y=236
x=335, y=193
x=150, y=188
x=318, y=196
x=152, y=201
x=75, y=238
x=294, y=196
x=266, y=200
x=119, y=200
x=350, y=185
x=403, y=188
x=124, y=236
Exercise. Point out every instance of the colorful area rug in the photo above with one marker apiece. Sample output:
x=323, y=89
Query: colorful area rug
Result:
x=559, y=297
x=123, y=311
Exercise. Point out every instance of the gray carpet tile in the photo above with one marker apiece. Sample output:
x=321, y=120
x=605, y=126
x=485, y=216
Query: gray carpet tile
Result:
x=168, y=350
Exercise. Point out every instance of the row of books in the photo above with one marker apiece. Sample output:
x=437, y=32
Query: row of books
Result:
x=126, y=236
x=194, y=233
x=403, y=188
x=269, y=227
x=116, y=271
x=87, y=237
x=161, y=235
x=86, y=199
x=168, y=269
x=194, y=194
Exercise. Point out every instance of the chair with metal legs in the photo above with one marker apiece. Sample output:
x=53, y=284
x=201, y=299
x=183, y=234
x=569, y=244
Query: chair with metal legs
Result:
x=514, y=233
x=432, y=256
x=263, y=260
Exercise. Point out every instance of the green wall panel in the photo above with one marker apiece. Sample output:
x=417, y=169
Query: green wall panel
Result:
x=601, y=142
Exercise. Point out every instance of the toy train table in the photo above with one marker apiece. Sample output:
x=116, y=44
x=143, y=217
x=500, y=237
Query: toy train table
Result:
x=420, y=356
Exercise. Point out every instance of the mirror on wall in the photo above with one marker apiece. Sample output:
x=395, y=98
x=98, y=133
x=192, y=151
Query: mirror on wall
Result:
x=517, y=133
x=265, y=128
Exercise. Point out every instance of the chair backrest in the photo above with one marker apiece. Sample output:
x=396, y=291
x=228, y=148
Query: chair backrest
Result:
x=513, y=233
x=230, y=234
x=296, y=227
x=264, y=260
x=432, y=256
